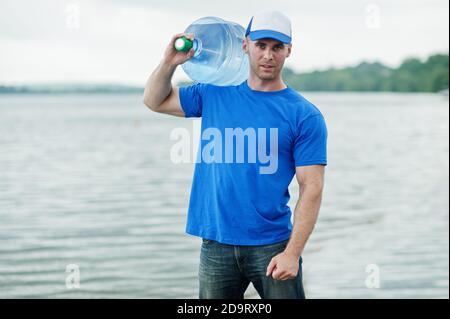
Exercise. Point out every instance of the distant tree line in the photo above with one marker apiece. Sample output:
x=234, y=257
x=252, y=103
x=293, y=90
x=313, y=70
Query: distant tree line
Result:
x=412, y=75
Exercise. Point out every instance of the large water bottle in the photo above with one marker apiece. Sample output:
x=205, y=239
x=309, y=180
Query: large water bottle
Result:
x=219, y=58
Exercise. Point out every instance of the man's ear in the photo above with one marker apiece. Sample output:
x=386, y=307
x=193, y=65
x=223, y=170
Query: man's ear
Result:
x=289, y=50
x=245, y=45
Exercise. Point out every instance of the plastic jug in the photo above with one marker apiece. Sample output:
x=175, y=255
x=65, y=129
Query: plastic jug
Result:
x=219, y=58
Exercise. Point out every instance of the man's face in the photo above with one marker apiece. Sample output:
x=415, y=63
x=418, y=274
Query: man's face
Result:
x=266, y=57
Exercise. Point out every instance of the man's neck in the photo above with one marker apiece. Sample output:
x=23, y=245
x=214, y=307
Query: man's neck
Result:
x=257, y=84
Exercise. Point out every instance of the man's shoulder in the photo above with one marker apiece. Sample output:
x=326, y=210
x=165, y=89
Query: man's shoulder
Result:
x=302, y=105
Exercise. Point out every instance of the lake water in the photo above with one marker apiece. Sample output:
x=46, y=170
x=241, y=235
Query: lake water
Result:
x=86, y=183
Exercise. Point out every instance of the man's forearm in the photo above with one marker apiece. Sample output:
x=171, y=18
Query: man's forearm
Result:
x=305, y=217
x=159, y=85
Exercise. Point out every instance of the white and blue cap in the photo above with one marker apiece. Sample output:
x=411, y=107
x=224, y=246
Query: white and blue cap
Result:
x=270, y=24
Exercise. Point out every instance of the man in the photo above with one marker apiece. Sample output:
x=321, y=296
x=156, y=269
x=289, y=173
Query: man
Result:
x=240, y=211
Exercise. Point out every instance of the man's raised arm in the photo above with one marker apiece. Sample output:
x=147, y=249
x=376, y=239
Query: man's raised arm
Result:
x=159, y=94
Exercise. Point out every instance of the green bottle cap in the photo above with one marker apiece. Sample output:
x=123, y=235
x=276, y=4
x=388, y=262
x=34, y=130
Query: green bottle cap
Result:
x=183, y=44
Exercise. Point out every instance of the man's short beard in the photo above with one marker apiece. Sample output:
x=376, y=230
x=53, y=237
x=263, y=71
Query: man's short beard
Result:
x=267, y=78
x=264, y=77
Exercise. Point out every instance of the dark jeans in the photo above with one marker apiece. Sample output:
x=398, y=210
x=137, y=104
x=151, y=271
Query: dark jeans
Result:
x=226, y=271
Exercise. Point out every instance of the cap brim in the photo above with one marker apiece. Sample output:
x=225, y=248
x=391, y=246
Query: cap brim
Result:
x=269, y=34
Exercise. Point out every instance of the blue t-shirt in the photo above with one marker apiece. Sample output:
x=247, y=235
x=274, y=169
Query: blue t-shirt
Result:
x=250, y=143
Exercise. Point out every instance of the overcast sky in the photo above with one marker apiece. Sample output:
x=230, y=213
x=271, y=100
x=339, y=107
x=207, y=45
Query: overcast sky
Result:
x=52, y=41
